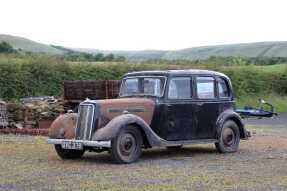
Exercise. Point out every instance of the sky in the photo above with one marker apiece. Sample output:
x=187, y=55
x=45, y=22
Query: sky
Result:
x=144, y=24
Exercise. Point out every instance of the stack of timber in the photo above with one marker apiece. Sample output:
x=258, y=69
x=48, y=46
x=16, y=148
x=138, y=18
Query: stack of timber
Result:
x=78, y=90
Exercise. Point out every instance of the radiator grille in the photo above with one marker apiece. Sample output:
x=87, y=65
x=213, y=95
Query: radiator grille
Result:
x=85, y=122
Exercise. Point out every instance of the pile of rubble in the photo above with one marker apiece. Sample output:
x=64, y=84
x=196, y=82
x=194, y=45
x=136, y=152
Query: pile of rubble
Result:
x=34, y=112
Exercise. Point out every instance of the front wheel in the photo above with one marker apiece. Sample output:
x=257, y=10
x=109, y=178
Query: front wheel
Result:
x=126, y=146
x=67, y=153
x=229, y=138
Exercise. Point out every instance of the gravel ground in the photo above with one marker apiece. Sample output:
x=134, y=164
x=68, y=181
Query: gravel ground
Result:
x=277, y=121
x=27, y=163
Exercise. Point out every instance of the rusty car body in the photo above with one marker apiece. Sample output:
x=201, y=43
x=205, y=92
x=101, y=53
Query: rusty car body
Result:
x=155, y=108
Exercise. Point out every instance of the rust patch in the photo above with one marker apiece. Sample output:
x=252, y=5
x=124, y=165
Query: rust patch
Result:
x=142, y=107
x=64, y=126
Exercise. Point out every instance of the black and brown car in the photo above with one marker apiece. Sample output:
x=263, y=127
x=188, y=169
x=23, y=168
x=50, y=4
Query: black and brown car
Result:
x=155, y=109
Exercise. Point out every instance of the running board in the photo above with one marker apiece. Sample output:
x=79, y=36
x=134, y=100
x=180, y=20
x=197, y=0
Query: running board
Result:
x=165, y=143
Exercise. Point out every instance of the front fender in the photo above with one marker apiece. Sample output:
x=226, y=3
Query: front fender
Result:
x=231, y=115
x=113, y=127
x=63, y=127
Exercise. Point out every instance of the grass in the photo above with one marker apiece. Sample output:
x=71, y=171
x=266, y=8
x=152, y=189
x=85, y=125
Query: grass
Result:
x=279, y=102
x=273, y=68
x=28, y=163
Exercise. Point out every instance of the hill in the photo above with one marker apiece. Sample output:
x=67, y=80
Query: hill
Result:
x=258, y=49
x=130, y=55
x=29, y=45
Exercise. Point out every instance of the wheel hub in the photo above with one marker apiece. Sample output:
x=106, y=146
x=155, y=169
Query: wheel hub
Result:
x=228, y=137
x=127, y=144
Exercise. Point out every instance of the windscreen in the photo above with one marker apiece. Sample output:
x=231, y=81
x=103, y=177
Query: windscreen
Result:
x=150, y=86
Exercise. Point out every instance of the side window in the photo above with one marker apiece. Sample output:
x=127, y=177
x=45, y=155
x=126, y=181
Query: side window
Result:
x=179, y=88
x=152, y=86
x=205, y=87
x=223, y=90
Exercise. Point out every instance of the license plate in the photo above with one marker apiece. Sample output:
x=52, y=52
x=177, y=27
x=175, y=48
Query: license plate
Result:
x=72, y=145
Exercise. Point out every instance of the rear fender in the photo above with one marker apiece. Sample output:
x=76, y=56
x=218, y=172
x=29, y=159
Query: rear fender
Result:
x=231, y=115
x=114, y=126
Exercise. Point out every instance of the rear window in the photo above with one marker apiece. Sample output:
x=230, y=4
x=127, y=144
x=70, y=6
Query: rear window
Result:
x=223, y=90
x=205, y=87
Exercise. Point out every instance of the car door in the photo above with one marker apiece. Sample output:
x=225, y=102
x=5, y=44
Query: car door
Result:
x=178, y=111
x=206, y=106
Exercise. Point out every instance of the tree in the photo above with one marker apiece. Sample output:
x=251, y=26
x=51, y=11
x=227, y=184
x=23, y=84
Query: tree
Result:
x=120, y=58
x=6, y=47
x=99, y=57
x=109, y=57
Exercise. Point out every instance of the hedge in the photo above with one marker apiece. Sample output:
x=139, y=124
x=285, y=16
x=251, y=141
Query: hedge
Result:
x=42, y=75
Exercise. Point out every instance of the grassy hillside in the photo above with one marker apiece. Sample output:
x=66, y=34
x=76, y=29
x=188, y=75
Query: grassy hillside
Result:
x=131, y=55
x=251, y=50
x=29, y=45
x=259, y=49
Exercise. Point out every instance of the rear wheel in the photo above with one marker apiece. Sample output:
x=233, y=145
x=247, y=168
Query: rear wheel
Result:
x=126, y=146
x=229, y=138
x=67, y=153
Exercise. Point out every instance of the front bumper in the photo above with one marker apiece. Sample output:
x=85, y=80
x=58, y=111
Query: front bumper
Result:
x=99, y=144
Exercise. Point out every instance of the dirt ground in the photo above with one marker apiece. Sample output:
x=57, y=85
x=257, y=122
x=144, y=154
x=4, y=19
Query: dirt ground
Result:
x=278, y=121
x=27, y=163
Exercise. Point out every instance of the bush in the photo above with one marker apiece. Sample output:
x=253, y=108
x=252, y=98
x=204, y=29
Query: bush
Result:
x=35, y=75
x=6, y=47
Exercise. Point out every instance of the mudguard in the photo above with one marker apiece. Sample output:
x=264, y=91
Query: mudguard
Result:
x=63, y=127
x=109, y=131
x=231, y=115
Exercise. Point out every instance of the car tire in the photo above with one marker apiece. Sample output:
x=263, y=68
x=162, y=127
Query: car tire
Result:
x=67, y=153
x=126, y=147
x=229, y=138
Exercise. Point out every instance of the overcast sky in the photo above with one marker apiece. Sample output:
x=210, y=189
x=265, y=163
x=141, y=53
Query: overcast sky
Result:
x=144, y=24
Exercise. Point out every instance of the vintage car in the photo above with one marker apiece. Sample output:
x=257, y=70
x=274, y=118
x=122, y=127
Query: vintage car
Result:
x=155, y=109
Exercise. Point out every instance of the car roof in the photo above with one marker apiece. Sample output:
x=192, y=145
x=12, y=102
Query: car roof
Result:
x=175, y=73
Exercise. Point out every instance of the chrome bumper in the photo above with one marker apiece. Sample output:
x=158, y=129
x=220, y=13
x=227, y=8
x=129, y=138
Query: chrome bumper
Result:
x=100, y=144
